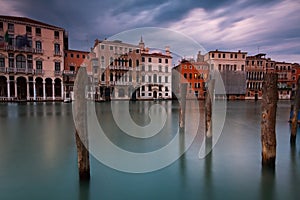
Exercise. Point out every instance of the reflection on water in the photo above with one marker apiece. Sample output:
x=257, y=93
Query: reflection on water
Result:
x=38, y=157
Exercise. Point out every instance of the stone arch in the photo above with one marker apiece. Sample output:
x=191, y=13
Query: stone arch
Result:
x=48, y=87
x=22, y=88
x=57, y=87
x=39, y=87
x=3, y=86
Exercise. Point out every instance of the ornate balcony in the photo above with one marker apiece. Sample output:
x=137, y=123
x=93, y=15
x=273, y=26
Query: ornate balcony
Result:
x=2, y=69
x=21, y=49
x=57, y=53
x=39, y=72
x=57, y=73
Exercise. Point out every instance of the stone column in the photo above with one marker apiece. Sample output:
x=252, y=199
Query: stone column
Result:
x=44, y=89
x=16, y=90
x=28, y=95
x=62, y=90
x=53, y=90
x=34, y=91
x=8, y=88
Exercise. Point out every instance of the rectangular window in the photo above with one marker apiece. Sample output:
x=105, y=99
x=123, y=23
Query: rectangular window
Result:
x=102, y=46
x=166, y=79
x=56, y=35
x=159, y=60
x=159, y=79
x=28, y=30
x=77, y=56
x=150, y=79
x=38, y=45
x=57, y=66
x=149, y=59
x=243, y=68
x=111, y=48
x=143, y=59
x=143, y=67
x=39, y=65
x=166, y=69
x=166, y=61
x=235, y=55
x=1, y=26
x=159, y=68
x=57, y=48
x=2, y=62
x=11, y=60
x=223, y=55
x=149, y=68
x=29, y=62
x=11, y=27
x=212, y=55
x=38, y=32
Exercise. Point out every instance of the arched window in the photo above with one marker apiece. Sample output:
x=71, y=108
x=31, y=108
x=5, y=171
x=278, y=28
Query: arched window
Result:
x=130, y=63
x=21, y=61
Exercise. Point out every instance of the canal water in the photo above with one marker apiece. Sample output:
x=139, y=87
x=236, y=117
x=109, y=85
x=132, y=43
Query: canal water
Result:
x=38, y=157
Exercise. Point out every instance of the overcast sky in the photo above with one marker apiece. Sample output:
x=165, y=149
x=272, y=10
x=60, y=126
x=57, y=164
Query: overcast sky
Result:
x=265, y=26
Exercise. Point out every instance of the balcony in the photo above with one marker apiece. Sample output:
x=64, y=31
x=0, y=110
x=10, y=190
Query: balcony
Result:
x=39, y=72
x=118, y=68
x=57, y=53
x=2, y=69
x=57, y=73
x=19, y=70
x=21, y=49
x=69, y=72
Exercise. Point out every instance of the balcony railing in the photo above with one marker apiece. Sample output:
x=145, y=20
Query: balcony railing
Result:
x=118, y=68
x=57, y=53
x=21, y=49
x=2, y=69
x=39, y=72
x=57, y=73
x=68, y=72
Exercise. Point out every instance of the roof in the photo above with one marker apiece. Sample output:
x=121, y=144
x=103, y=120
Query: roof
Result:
x=27, y=21
x=77, y=51
x=218, y=51
x=156, y=55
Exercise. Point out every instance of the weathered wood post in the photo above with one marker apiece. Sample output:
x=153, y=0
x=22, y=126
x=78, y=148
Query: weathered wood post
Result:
x=294, y=120
x=208, y=115
x=268, y=120
x=183, y=89
x=81, y=135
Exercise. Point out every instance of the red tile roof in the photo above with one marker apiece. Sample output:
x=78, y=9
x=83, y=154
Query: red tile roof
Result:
x=27, y=20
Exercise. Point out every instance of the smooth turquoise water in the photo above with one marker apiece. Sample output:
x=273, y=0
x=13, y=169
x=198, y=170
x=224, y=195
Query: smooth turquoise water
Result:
x=38, y=158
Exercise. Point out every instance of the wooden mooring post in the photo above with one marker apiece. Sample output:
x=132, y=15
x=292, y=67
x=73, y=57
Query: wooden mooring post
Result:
x=80, y=117
x=268, y=120
x=183, y=90
x=208, y=115
x=294, y=120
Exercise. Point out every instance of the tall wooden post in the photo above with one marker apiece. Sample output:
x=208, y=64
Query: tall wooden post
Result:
x=208, y=115
x=268, y=120
x=80, y=116
x=183, y=90
x=294, y=120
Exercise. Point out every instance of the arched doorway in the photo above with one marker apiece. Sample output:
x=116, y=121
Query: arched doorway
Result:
x=155, y=94
x=48, y=87
x=39, y=87
x=3, y=86
x=57, y=87
x=21, y=88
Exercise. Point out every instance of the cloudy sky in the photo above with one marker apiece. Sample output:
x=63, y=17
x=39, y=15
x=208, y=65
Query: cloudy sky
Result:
x=265, y=26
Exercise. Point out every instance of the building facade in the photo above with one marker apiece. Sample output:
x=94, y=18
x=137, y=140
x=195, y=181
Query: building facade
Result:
x=231, y=66
x=31, y=59
x=195, y=73
x=73, y=60
x=285, y=79
x=128, y=71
